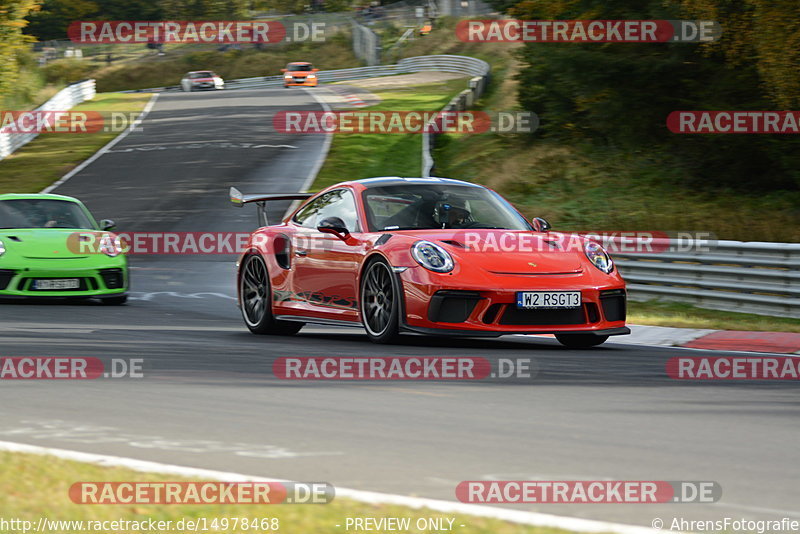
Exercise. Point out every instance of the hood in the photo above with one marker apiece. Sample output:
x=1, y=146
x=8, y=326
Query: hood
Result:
x=42, y=243
x=508, y=251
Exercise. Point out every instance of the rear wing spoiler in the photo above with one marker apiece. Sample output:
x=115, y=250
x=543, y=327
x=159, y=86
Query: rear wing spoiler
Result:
x=239, y=200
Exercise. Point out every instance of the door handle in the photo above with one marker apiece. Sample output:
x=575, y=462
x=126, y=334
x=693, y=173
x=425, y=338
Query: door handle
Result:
x=300, y=252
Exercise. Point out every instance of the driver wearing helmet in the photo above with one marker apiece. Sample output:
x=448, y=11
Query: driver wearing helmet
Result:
x=452, y=213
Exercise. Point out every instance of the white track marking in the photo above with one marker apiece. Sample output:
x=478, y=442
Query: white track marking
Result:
x=326, y=146
x=370, y=497
x=194, y=146
x=106, y=148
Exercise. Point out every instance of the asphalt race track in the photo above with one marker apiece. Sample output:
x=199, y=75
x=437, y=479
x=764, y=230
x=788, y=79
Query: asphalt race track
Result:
x=209, y=398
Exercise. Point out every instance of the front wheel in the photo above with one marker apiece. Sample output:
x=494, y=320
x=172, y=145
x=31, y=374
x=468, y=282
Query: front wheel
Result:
x=580, y=341
x=115, y=301
x=380, y=303
x=256, y=300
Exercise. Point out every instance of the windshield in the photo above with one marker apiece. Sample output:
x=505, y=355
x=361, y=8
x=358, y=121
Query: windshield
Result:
x=435, y=206
x=299, y=67
x=39, y=213
x=196, y=75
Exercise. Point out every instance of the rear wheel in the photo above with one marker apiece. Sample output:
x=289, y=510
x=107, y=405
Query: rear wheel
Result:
x=380, y=303
x=580, y=341
x=256, y=300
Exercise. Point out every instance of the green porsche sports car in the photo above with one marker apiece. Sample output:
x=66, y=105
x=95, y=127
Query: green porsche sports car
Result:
x=40, y=254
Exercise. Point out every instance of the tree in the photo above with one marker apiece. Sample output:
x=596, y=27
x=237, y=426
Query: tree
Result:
x=762, y=31
x=619, y=94
x=12, y=40
x=52, y=20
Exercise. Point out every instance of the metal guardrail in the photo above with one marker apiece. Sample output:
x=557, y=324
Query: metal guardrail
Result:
x=752, y=277
x=480, y=70
x=64, y=100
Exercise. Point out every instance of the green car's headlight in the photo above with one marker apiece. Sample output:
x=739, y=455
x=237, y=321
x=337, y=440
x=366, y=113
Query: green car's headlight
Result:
x=2, y=248
x=111, y=245
x=598, y=256
x=432, y=257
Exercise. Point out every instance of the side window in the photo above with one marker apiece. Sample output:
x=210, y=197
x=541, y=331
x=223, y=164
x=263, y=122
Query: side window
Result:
x=307, y=216
x=337, y=203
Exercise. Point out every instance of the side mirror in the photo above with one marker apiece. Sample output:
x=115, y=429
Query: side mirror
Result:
x=283, y=70
x=543, y=225
x=314, y=70
x=335, y=226
x=107, y=224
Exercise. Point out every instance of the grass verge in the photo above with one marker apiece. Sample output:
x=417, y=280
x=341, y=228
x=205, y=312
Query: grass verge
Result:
x=356, y=156
x=36, y=486
x=679, y=315
x=590, y=188
x=48, y=157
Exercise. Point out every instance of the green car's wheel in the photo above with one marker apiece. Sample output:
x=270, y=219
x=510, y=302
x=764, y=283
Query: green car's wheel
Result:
x=115, y=301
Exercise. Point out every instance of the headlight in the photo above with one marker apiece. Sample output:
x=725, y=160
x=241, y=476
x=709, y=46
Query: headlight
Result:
x=111, y=245
x=310, y=76
x=432, y=257
x=287, y=76
x=2, y=248
x=598, y=257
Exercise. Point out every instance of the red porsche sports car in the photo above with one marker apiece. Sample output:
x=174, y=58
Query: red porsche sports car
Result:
x=426, y=255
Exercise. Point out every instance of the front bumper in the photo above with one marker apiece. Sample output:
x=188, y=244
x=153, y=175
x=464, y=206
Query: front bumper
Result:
x=206, y=87
x=485, y=310
x=106, y=281
x=295, y=82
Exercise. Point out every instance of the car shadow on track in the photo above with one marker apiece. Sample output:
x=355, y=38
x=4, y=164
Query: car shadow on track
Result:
x=609, y=365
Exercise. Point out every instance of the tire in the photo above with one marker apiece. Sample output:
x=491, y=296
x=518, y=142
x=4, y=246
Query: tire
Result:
x=256, y=300
x=379, y=303
x=580, y=341
x=115, y=301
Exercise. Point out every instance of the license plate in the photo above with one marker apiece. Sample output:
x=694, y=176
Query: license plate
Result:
x=65, y=283
x=533, y=300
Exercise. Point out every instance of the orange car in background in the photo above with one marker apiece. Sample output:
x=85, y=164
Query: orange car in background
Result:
x=300, y=73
